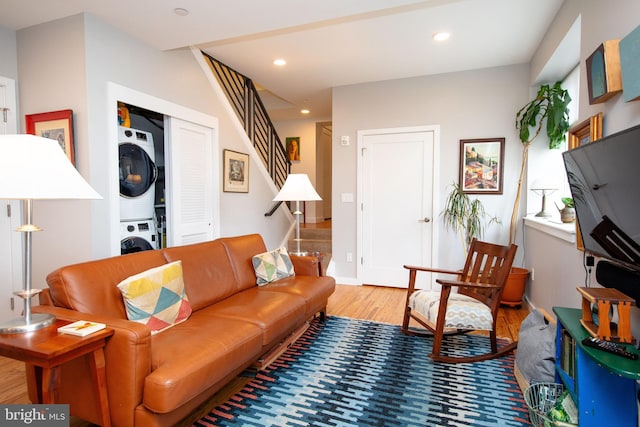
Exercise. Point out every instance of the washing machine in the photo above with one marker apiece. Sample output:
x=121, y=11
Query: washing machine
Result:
x=138, y=173
x=138, y=236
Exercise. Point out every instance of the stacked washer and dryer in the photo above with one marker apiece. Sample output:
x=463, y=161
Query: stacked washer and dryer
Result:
x=138, y=174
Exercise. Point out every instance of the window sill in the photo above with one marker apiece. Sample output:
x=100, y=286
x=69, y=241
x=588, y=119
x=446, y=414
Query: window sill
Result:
x=553, y=227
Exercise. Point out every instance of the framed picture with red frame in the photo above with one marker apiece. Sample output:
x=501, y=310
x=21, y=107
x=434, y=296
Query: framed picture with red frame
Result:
x=57, y=125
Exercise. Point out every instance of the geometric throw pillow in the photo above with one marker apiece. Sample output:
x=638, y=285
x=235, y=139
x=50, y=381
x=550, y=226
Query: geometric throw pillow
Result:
x=156, y=297
x=272, y=265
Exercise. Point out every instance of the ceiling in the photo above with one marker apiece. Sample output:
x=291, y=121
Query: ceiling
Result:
x=326, y=43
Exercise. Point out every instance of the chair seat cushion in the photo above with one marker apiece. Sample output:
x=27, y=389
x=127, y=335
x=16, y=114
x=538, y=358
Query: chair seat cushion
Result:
x=463, y=312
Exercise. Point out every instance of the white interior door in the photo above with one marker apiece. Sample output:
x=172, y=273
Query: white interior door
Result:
x=397, y=185
x=10, y=219
x=190, y=182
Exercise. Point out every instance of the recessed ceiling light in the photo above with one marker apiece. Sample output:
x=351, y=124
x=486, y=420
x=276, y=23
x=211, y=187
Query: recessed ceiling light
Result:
x=180, y=11
x=305, y=111
x=279, y=62
x=441, y=36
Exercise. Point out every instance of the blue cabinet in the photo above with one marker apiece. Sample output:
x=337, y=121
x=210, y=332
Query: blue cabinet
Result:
x=602, y=385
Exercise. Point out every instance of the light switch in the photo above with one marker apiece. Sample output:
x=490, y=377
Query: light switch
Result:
x=347, y=197
x=344, y=140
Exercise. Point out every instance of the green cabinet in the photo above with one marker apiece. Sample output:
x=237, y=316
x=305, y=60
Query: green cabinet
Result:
x=602, y=385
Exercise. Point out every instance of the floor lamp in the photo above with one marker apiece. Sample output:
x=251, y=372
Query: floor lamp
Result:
x=35, y=168
x=297, y=188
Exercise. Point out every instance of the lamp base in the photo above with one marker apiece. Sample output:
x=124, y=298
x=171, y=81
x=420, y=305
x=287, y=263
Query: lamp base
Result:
x=300, y=253
x=543, y=214
x=20, y=326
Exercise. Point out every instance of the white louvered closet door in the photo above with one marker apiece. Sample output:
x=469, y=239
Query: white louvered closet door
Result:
x=189, y=182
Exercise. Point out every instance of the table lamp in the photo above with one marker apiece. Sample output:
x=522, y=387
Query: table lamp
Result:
x=543, y=188
x=297, y=188
x=35, y=168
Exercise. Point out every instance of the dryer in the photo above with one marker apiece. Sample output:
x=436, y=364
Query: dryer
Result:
x=138, y=236
x=138, y=173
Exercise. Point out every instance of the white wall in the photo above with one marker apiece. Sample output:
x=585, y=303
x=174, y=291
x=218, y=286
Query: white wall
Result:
x=558, y=264
x=306, y=130
x=466, y=105
x=69, y=63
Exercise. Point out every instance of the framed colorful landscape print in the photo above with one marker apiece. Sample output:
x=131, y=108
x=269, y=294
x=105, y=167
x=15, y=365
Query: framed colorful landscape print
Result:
x=481, y=165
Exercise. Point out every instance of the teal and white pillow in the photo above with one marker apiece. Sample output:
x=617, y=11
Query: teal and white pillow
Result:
x=272, y=265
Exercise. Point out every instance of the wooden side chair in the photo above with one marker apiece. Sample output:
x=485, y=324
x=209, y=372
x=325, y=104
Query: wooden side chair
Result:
x=473, y=308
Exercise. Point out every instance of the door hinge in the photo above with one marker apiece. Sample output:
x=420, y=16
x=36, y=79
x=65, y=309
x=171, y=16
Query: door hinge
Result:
x=5, y=112
x=12, y=303
x=8, y=210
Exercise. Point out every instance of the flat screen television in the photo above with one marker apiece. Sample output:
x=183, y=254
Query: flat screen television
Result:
x=604, y=178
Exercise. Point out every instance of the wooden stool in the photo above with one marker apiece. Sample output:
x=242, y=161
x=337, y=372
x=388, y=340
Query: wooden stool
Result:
x=605, y=298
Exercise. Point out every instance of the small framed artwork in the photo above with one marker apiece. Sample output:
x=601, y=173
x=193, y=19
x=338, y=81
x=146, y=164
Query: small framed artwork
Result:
x=236, y=172
x=481, y=165
x=603, y=72
x=586, y=131
x=293, y=148
x=630, y=65
x=56, y=125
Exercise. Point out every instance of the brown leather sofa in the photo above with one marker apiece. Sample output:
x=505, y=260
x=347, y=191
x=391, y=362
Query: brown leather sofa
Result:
x=159, y=379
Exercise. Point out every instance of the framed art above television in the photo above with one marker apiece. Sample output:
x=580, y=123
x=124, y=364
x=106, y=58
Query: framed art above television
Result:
x=604, y=78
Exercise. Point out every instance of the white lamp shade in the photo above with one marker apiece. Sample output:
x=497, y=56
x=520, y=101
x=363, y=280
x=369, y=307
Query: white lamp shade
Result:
x=33, y=167
x=297, y=187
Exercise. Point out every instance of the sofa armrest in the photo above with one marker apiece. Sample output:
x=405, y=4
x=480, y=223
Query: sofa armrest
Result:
x=307, y=265
x=44, y=297
x=128, y=362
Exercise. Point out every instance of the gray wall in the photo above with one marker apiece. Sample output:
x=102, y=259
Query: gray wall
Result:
x=8, y=54
x=557, y=263
x=466, y=105
x=68, y=64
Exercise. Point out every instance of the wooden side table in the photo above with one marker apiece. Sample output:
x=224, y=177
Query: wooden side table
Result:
x=47, y=350
x=606, y=299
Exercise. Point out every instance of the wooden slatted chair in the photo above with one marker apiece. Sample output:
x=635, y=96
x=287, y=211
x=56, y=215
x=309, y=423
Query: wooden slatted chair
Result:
x=473, y=308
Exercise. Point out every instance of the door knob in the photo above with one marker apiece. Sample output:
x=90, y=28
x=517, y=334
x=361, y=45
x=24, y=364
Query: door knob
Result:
x=425, y=219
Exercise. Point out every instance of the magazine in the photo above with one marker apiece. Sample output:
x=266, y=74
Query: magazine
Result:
x=81, y=328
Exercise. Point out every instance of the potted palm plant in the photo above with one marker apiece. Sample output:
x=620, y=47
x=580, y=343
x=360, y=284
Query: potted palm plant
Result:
x=551, y=106
x=465, y=216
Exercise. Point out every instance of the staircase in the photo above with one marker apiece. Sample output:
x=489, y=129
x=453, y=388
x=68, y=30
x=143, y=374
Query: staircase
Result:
x=315, y=238
x=245, y=100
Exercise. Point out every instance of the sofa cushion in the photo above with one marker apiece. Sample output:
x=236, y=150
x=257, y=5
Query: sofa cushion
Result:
x=273, y=312
x=156, y=297
x=191, y=357
x=272, y=265
x=314, y=290
x=241, y=250
x=69, y=284
x=208, y=274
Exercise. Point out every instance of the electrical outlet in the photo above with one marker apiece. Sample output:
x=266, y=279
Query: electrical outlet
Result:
x=349, y=257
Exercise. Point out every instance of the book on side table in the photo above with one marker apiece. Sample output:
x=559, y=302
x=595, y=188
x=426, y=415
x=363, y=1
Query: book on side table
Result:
x=81, y=328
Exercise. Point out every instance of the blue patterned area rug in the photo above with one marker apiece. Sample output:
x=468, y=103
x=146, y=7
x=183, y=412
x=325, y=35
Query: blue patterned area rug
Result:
x=348, y=372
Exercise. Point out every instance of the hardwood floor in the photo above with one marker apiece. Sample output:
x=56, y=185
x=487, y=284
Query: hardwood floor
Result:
x=386, y=305
x=374, y=303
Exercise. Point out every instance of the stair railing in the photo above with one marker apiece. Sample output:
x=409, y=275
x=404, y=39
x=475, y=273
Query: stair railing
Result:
x=245, y=99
